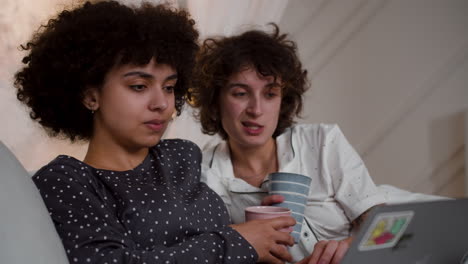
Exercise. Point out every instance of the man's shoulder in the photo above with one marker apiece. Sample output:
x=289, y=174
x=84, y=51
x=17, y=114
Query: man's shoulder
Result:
x=212, y=151
x=308, y=132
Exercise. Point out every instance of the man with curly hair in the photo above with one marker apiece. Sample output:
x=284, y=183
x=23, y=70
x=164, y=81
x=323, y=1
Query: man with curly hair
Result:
x=248, y=89
x=114, y=75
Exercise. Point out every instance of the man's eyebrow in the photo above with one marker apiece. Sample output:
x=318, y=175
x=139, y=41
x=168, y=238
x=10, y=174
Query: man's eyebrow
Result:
x=243, y=85
x=274, y=84
x=234, y=84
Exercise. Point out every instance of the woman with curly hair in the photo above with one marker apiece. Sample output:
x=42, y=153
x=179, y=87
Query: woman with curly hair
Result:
x=248, y=89
x=114, y=76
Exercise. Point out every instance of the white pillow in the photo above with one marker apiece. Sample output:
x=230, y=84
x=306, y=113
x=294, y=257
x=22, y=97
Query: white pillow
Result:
x=27, y=233
x=395, y=195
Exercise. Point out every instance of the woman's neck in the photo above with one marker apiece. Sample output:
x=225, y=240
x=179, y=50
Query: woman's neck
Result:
x=105, y=154
x=253, y=164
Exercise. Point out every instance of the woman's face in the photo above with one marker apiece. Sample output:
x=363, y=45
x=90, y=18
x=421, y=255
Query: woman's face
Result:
x=249, y=107
x=135, y=104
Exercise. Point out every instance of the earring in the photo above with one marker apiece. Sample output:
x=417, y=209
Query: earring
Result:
x=174, y=115
x=91, y=108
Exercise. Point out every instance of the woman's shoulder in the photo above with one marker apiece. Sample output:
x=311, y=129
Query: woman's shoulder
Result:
x=63, y=162
x=62, y=166
x=182, y=146
x=176, y=143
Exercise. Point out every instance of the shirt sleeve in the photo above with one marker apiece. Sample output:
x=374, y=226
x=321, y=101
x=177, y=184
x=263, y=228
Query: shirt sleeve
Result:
x=92, y=233
x=354, y=188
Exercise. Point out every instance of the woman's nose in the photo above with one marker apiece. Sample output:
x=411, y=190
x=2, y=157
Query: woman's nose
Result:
x=158, y=101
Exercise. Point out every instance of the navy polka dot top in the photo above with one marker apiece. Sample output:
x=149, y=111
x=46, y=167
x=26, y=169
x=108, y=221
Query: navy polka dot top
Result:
x=158, y=212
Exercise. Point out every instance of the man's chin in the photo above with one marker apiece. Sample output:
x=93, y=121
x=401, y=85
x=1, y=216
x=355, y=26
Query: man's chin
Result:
x=254, y=142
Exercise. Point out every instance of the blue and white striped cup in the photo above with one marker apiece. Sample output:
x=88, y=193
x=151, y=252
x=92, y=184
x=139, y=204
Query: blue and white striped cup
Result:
x=295, y=189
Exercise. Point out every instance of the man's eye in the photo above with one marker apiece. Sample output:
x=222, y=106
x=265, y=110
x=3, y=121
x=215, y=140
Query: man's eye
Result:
x=239, y=94
x=271, y=95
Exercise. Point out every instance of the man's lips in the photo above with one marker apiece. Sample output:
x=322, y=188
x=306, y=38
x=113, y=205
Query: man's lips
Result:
x=251, y=124
x=156, y=125
x=252, y=128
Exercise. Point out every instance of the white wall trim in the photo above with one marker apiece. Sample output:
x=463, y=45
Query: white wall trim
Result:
x=419, y=95
x=434, y=178
x=466, y=152
x=338, y=38
x=312, y=17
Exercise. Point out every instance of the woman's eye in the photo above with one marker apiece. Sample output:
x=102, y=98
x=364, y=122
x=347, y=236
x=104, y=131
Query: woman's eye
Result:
x=137, y=87
x=169, y=89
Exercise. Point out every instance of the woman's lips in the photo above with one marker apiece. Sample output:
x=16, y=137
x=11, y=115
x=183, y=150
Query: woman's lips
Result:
x=155, y=125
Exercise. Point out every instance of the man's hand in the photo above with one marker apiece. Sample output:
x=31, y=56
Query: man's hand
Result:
x=264, y=236
x=328, y=251
x=272, y=199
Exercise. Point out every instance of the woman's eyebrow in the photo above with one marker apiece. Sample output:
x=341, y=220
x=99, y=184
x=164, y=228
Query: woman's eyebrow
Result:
x=139, y=74
x=172, y=77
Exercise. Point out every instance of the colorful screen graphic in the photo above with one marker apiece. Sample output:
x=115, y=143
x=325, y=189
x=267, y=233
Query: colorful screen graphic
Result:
x=385, y=230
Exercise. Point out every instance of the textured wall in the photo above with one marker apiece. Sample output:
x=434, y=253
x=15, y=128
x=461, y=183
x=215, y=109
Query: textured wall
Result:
x=18, y=20
x=391, y=73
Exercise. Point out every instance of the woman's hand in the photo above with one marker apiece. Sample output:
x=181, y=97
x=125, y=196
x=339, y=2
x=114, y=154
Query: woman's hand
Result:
x=328, y=251
x=264, y=236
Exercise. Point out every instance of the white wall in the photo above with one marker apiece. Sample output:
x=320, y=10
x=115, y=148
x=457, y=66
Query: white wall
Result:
x=391, y=73
x=466, y=155
x=18, y=19
x=394, y=75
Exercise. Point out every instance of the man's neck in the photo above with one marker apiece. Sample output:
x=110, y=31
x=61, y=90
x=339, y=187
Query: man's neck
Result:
x=253, y=164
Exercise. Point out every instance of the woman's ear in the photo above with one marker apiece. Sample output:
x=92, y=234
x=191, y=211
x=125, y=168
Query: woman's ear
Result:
x=90, y=99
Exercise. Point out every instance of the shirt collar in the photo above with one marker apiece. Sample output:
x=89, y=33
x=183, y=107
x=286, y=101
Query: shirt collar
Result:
x=220, y=163
x=284, y=149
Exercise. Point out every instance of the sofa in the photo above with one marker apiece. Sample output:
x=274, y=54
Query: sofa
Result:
x=27, y=233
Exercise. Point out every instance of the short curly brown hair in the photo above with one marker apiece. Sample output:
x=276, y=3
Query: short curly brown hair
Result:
x=269, y=54
x=77, y=49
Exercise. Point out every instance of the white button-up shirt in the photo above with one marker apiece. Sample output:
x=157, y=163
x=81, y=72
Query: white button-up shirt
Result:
x=341, y=188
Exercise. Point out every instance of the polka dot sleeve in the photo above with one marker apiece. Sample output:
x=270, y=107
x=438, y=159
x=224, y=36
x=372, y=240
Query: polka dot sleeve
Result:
x=158, y=212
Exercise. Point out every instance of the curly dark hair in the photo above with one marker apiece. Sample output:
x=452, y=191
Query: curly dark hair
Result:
x=269, y=54
x=77, y=49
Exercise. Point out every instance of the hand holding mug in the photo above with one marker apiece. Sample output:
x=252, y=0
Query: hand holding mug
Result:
x=265, y=235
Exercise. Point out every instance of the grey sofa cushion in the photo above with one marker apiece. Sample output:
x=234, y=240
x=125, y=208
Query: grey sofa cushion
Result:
x=27, y=233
